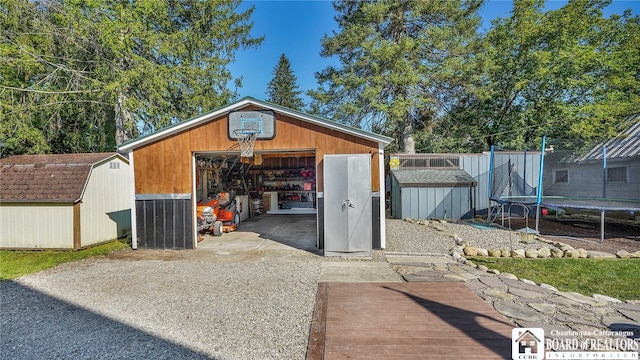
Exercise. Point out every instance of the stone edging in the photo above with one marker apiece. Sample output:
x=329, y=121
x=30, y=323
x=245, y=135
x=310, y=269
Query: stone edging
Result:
x=557, y=250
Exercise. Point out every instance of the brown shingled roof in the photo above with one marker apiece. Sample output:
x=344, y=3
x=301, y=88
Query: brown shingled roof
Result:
x=57, y=178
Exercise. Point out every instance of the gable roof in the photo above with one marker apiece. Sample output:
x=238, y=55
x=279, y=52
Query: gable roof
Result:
x=433, y=178
x=198, y=120
x=60, y=178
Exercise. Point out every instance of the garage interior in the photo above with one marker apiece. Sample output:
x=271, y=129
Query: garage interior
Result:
x=270, y=183
x=276, y=183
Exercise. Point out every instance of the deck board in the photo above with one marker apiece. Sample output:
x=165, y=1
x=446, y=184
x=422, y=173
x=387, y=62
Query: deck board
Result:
x=418, y=320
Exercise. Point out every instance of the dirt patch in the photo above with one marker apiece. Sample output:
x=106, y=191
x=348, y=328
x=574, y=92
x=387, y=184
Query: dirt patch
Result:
x=585, y=234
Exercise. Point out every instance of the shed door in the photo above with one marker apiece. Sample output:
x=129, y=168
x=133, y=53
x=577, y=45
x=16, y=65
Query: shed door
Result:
x=347, y=204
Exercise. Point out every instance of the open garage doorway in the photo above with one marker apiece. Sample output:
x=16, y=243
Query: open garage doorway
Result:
x=246, y=201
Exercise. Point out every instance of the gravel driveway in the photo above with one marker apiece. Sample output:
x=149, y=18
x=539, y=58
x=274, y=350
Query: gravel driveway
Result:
x=186, y=304
x=258, y=308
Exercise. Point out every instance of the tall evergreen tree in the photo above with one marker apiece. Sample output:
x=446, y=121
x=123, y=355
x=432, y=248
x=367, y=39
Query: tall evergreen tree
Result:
x=79, y=69
x=394, y=55
x=283, y=88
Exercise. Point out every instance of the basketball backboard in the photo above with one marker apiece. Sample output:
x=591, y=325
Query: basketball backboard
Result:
x=262, y=120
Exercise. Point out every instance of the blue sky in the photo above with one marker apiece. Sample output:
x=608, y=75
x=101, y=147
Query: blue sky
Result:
x=295, y=28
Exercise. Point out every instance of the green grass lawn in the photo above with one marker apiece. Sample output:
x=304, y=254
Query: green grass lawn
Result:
x=618, y=278
x=14, y=264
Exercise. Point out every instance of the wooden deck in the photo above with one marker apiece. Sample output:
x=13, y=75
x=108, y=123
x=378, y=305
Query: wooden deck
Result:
x=420, y=320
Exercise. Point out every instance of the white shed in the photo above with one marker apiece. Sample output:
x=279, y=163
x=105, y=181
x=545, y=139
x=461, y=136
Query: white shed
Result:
x=65, y=201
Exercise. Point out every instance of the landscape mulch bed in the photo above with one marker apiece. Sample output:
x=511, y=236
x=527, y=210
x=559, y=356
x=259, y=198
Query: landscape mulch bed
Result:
x=585, y=234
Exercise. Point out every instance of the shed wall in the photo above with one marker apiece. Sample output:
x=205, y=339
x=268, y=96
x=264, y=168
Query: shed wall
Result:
x=105, y=212
x=477, y=165
x=431, y=202
x=586, y=179
x=396, y=210
x=36, y=226
x=436, y=203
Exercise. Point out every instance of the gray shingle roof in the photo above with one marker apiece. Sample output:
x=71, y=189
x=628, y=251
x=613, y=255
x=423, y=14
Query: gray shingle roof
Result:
x=57, y=178
x=433, y=178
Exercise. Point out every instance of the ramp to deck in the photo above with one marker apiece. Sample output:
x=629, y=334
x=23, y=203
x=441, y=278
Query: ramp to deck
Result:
x=420, y=320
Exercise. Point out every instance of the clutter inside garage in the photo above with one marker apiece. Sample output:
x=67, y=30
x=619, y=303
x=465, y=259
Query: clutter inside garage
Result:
x=277, y=183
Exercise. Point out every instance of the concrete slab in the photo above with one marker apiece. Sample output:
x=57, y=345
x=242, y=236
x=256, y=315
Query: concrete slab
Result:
x=267, y=232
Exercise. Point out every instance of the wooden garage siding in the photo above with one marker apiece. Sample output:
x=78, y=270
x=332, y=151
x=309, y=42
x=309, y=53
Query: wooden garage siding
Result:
x=164, y=167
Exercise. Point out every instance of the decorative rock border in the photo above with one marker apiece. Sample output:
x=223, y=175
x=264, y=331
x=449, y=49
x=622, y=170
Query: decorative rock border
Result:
x=557, y=250
x=554, y=250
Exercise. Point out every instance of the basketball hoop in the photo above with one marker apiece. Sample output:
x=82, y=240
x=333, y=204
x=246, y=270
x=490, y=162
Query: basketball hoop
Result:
x=246, y=140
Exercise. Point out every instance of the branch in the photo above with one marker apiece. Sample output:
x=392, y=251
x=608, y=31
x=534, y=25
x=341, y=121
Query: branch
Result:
x=58, y=103
x=48, y=92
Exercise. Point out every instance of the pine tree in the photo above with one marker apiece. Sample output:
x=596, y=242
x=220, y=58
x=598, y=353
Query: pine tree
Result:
x=283, y=88
x=395, y=56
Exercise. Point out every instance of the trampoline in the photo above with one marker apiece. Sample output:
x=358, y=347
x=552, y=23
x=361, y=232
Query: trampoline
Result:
x=566, y=202
x=505, y=190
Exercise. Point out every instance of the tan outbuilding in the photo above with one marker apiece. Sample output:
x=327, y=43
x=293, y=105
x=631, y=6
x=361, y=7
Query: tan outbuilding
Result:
x=64, y=201
x=299, y=162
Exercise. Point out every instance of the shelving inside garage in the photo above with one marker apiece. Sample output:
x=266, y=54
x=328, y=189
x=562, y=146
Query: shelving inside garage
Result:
x=286, y=182
x=275, y=182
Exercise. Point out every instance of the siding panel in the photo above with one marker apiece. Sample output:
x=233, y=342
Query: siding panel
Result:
x=36, y=226
x=165, y=223
x=106, y=206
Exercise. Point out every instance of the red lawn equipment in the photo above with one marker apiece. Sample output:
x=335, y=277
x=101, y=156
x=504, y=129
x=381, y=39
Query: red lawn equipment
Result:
x=218, y=214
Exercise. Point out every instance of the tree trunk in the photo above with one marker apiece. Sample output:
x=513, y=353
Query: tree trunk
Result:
x=407, y=142
x=124, y=121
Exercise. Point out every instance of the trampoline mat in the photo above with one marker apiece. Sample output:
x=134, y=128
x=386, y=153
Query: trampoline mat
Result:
x=564, y=202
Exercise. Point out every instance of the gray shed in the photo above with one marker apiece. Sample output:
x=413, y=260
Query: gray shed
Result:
x=432, y=193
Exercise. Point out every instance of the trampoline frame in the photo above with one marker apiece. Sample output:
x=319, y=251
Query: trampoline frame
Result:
x=601, y=204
